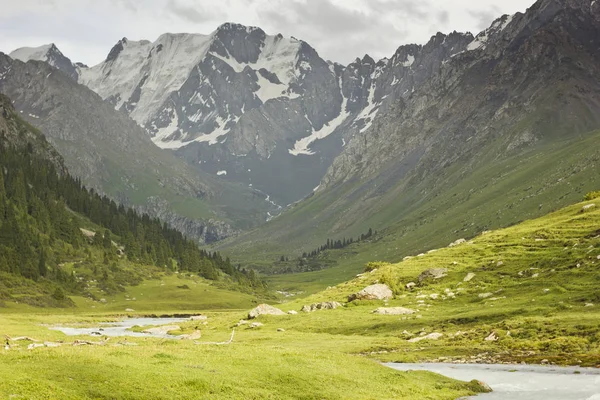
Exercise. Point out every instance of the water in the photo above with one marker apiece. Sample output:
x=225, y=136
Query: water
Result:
x=527, y=382
x=116, y=329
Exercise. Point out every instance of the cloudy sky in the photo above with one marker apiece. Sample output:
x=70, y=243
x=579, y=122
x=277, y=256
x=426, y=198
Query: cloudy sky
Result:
x=340, y=30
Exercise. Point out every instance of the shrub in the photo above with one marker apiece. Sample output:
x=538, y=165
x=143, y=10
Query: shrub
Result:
x=592, y=196
x=375, y=265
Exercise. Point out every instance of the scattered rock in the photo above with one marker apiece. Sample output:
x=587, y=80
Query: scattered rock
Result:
x=192, y=336
x=469, y=277
x=492, y=337
x=433, y=273
x=434, y=296
x=264, y=309
x=280, y=330
x=587, y=207
x=198, y=318
x=394, y=311
x=485, y=295
x=162, y=330
x=431, y=336
x=292, y=312
x=410, y=285
x=255, y=325
x=458, y=242
x=373, y=292
x=327, y=305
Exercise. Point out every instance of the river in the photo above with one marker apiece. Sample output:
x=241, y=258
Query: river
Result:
x=521, y=382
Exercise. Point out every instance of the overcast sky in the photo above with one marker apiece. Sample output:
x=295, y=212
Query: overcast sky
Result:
x=340, y=30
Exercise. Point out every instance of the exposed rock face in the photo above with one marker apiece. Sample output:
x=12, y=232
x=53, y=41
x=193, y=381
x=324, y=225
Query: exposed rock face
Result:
x=394, y=311
x=373, y=292
x=433, y=273
x=264, y=309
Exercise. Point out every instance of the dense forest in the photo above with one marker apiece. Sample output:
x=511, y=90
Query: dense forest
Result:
x=42, y=211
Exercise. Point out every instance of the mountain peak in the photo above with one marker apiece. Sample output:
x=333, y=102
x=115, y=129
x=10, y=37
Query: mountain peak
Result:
x=48, y=53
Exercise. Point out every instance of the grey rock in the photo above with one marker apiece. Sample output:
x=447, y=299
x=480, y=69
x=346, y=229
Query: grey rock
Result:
x=264, y=309
x=433, y=273
x=374, y=292
x=394, y=311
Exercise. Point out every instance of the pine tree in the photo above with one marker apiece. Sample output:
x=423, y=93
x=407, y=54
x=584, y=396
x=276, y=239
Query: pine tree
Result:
x=42, y=268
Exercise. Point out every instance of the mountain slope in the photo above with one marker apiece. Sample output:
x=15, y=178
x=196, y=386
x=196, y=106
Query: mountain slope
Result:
x=503, y=131
x=111, y=154
x=45, y=252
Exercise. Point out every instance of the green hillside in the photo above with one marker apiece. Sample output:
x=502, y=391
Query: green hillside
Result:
x=462, y=201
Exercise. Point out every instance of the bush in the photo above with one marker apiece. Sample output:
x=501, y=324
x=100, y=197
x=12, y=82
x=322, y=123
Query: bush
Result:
x=592, y=196
x=375, y=265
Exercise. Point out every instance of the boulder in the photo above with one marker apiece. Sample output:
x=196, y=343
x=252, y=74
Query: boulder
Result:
x=469, y=277
x=485, y=295
x=587, y=207
x=410, y=285
x=433, y=273
x=256, y=325
x=292, y=312
x=457, y=243
x=431, y=336
x=264, y=309
x=480, y=387
x=374, y=292
x=326, y=305
x=280, y=330
x=492, y=337
x=394, y=311
x=129, y=310
x=198, y=318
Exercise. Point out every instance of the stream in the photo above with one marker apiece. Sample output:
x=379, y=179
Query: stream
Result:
x=521, y=382
x=116, y=329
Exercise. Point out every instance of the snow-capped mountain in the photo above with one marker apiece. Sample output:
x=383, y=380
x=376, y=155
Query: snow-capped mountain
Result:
x=263, y=110
x=48, y=53
x=259, y=109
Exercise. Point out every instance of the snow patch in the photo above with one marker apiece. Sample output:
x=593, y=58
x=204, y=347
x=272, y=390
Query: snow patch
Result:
x=302, y=145
x=31, y=53
x=410, y=59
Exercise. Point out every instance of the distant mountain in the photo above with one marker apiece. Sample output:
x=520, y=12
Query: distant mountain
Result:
x=265, y=111
x=48, y=53
x=504, y=129
x=113, y=155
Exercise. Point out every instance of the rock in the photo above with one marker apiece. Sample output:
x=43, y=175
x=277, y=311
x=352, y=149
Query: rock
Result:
x=469, y=277
x=410, y=285
x=587, y=207
x=162, y=330
x=500, y=263
x=129, y=310
x=406, y=258
x=280, y=330
x=292, y=312
x=264, y=309
x=327, y=305
x=492, y=337
x=431, y=336
x=535, y=275
x=198, y=318
x=433, y=273
x=485, y=295
x=394, y=311
x=480, y=387
x=373, y=292
x=458, y=242
x=102, y=300
x=241, y=322
x=255, y=325
x=434, y=296
x=546, y=290
x=589, y=304
x=192, y=336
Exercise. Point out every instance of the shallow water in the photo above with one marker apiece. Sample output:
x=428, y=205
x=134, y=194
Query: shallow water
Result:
x=116, y=329
x=527, y=382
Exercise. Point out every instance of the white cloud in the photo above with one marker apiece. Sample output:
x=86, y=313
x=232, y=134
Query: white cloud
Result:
x=341, y=30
